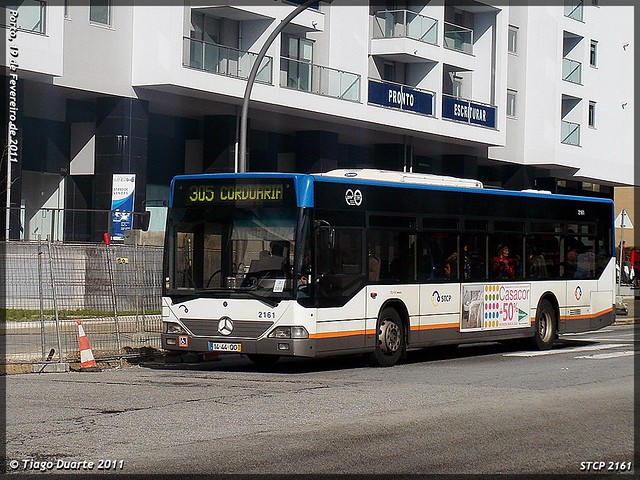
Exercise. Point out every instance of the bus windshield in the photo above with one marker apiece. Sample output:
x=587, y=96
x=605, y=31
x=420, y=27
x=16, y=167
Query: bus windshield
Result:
x=223, y=249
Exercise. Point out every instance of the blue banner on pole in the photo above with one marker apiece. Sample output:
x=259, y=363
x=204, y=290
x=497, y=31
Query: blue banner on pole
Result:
x=122, y=201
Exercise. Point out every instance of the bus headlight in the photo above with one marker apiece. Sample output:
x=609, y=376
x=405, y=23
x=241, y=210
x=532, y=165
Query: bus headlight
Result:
x=174, y=328
x=289, y=332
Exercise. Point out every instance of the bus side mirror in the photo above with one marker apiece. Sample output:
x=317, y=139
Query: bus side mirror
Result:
x=145, y=220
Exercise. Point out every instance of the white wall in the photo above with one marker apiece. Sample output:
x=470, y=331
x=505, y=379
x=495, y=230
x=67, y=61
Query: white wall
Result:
x=605, y=152
x=98, y=58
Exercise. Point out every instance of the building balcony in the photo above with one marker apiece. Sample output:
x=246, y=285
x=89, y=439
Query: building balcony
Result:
x=404, y=36
x=34, y=37
x=458, y=38
x=311, y=20
x=469, y=111
x=404, y=23
x=31, y=16
x=318, y=79
x=401, y=97
x=571, y=71
x=574, y=9
x=570, y=133
x=222, y=60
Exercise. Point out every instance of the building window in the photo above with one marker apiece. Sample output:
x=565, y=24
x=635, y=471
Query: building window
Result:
x=592, y=114
x=31, y=15
x=513, y=39
x=297, y=58
x=456, y=84
x=511, y=103
x=389, y=72
x=205, y=28
x=593, y=54
x=100, y=12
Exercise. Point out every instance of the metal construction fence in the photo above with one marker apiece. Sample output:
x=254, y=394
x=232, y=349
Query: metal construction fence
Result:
x=115, y=290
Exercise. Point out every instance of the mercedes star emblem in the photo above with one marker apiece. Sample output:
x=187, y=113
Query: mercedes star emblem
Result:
x=225, y=326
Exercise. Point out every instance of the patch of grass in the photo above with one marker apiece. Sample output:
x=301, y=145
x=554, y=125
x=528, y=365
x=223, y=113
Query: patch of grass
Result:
x=24, y=315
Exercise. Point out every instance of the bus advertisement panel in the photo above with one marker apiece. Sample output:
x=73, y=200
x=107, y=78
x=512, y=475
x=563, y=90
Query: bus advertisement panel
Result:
x=496, y=306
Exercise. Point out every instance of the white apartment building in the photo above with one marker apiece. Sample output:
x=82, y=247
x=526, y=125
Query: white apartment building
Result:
x=515, y=96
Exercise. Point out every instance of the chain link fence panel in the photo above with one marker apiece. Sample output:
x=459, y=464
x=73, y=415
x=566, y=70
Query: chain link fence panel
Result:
x=114, y=290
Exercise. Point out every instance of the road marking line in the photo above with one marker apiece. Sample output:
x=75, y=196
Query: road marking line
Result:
x=586, y=333
x=607, y=339
x=566, y=350
x=602, y=356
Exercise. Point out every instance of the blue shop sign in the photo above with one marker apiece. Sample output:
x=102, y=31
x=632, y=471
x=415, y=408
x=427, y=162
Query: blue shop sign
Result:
x=400, y=97
x=469, y=112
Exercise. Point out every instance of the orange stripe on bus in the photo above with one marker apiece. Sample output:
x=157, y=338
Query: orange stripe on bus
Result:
x=586, y=316
x=348, y=333
x=437, y=326
x=353, y=333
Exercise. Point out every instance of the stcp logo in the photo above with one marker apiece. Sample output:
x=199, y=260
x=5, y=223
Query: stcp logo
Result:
x=577, y=293
x=438, y=298
x=225, y=326
x=353, y=197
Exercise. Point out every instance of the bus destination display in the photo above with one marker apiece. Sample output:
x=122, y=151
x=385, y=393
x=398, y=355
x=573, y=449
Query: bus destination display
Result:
x=226, y=193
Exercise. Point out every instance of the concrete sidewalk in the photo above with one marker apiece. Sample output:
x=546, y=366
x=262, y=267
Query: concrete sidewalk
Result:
x=630, y=297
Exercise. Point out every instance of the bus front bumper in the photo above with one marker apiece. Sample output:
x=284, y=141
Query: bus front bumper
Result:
x=265, y=346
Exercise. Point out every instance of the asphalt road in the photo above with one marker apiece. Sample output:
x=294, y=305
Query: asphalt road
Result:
x=483, y=409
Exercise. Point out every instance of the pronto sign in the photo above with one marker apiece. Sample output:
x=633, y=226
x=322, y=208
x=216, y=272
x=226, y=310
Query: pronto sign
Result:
x=400, y=97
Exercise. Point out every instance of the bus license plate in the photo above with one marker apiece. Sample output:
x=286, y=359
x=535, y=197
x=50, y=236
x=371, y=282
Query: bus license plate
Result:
x=225, y=347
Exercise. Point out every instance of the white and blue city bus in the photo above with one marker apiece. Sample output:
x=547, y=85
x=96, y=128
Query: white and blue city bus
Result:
x=378, y=262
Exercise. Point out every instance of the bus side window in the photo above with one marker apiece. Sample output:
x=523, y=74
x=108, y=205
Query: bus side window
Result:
x=438, y=259
x=473, y=256
x=536, y=264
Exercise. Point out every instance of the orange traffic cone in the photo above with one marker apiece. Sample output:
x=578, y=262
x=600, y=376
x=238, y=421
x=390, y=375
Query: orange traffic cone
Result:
x=87, y=362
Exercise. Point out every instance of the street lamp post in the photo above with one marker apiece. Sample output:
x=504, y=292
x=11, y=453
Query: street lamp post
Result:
x=242, y=154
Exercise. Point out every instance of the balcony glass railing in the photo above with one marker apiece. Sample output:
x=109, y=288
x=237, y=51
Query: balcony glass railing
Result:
x=31, y=15
x=404, y=23
x=458, y=38
x=312, y=78
x=574, y=9
x=571, y=71
x=570, y=133
x=224, y=60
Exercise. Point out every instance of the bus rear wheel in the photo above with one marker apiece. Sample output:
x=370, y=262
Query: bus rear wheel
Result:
x=390, y=339
x=545, y=326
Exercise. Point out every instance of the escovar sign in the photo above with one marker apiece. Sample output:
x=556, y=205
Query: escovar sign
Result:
x=400, y=97
x=469, y=112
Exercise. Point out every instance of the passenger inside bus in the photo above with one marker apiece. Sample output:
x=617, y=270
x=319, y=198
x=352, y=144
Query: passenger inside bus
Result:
x=451, y=267
x=374, y=267
x=503, y=265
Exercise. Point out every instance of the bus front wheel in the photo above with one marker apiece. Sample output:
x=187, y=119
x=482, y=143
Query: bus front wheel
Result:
x=545, y=326
x=390, y=339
